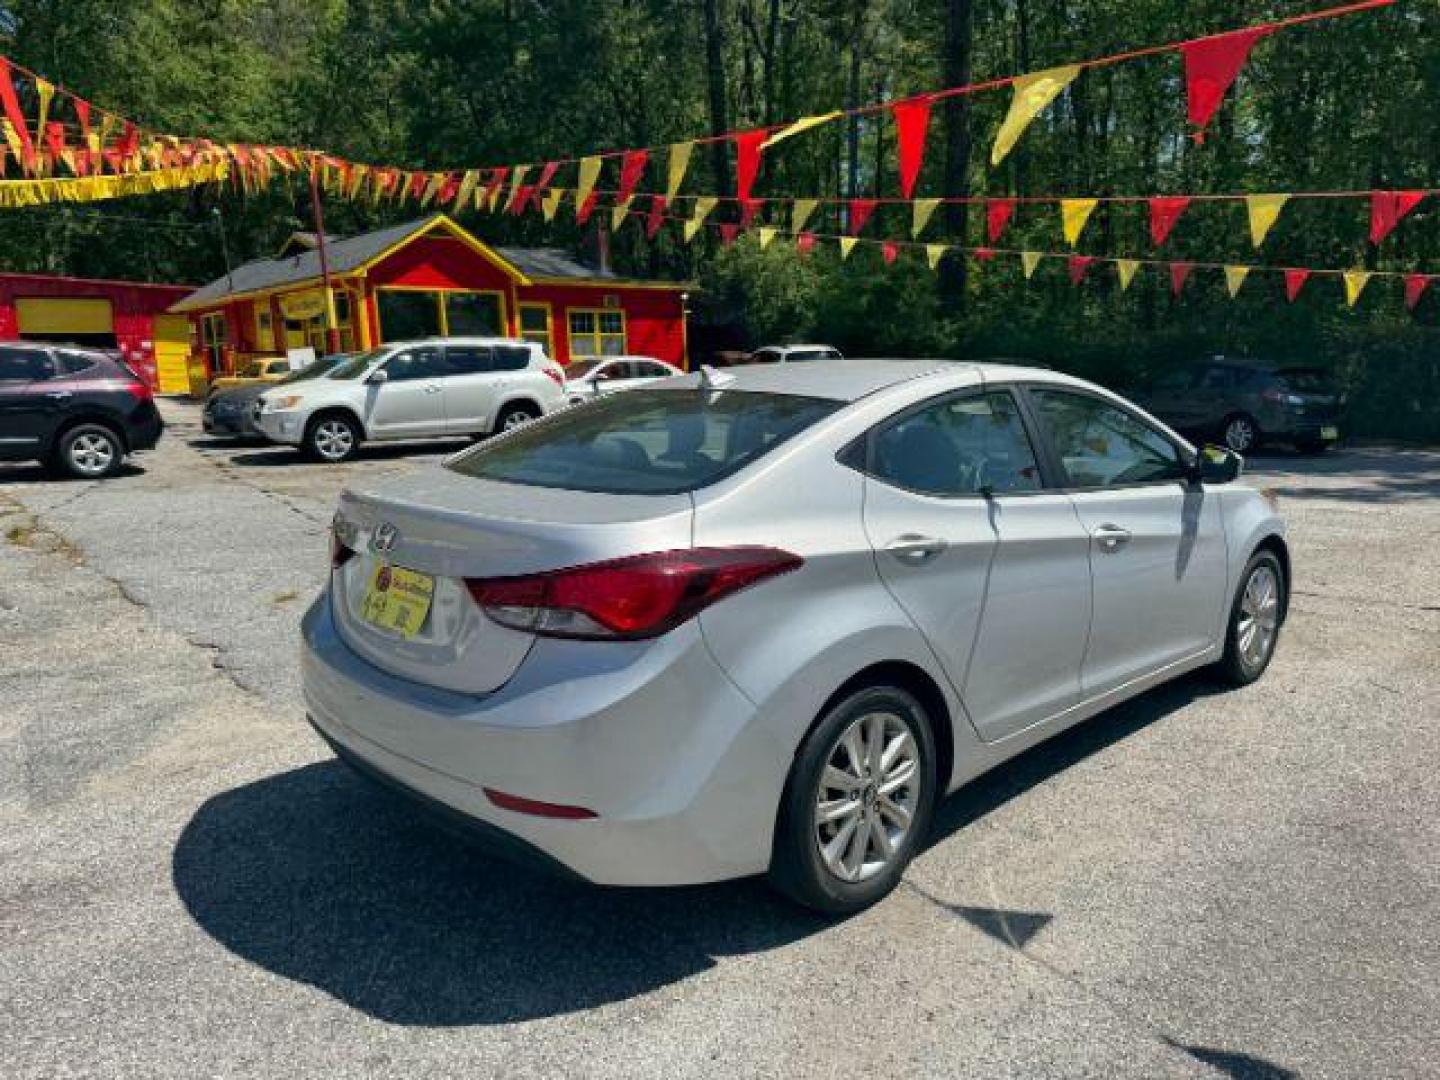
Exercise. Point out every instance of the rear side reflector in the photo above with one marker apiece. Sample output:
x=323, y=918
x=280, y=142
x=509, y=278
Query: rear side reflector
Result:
x=535, y=808
x=638, y=597
x=556, y=374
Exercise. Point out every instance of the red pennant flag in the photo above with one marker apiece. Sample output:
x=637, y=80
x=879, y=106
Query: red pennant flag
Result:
x=1179, y=274
x=860, y=211
x=415, y=189
x=1079, y=264
x=523, y=194
x=631, y=169
x=547, y=174
x=130, y=141
x=891, y=251
x=16, y=115
x=984, y=254
x=1387, y=208
x=1211, y=66
x=805, y=243
x=1164, y=212
x=497, y=178
x=748, y=209
x=1415, y=285
x=1295, y=281
x=55, y=140
x=448, y=190
x=747, y=159
x=656, y=217
x=585, y=209
x=998, y=213
x=912, y=118
x=728, y=231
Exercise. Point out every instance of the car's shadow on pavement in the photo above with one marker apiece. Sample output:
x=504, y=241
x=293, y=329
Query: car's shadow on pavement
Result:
x=39, y=474
x=318, y=876
x=268, y=456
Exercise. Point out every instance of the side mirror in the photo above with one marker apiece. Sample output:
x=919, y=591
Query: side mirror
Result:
x=378, y=377
x=1217, y=465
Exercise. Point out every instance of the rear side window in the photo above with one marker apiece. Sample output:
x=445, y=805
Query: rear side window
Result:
x=511, y=358
x=646, y=442
x=73, y=363
x=968, y=444
x=1305, y=380
x=24, y=365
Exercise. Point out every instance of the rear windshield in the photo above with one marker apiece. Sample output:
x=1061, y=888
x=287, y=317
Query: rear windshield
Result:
x=1306, y=380
x=646, y=442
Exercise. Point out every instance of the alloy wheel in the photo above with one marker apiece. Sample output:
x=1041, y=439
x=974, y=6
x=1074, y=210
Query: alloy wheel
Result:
x=92, y=453
x=1240, y=434
x=333, y=439
x=515, y=419
x=1259, y=616
x=868, y=793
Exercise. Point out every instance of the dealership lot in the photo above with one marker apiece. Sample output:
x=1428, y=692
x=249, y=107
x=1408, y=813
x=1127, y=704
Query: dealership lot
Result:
x=1197, y=883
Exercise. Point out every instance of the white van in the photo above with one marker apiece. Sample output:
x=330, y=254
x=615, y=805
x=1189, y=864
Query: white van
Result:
x=435, y=388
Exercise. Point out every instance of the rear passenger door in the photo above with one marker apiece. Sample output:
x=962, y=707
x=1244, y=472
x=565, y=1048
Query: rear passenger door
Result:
x=1156, y=541
x=991, y=566
x=471, y=389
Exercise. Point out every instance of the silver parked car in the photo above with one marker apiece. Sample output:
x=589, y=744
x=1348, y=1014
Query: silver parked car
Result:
x=761, y=620
x=588, y=379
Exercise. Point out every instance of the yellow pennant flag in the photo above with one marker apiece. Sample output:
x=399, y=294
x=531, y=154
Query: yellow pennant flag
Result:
x=1263, y=211
x=692, y=226
x=357, y=180
x=550, y=204
x=1074, y=213
x=847, y=245
x=18, y=193
x=1126, y=269
x=12, y=139
x=437, y=181
x=803, y=124
x=46, y=91
x=766, y=235
x=1029, y=260
x=800, y=213
x=1234, y=278
x=703, y=206
x=1355, y=282
x=679, y=161
x=618, y=213
x=517, y=180
x=467, y=187
x=1031, y=94
x=921, y=211
x=934, y=253
x=589, y=174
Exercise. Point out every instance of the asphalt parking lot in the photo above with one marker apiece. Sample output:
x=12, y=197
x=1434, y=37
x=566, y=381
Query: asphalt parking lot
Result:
x=1197, y=883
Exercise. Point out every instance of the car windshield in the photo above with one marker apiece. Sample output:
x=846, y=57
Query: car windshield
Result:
x=317, y=368
x=646, y=442
x=356, y=365
x=581, y=368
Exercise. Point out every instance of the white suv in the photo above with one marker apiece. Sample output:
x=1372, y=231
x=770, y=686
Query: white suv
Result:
x=436, y=388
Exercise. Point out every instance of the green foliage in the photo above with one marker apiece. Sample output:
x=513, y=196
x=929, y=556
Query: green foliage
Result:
x=1350, y=104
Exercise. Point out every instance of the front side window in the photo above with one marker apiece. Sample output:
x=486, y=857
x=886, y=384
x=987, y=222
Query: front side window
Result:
x=597, y=333
x=1103, y=445
x=24, y=365
x=968, y=444
x=424, y=363
x=645, y=442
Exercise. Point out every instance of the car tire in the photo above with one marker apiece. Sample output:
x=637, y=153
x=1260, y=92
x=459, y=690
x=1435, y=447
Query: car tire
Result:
x=1256, y=616
x=830, y=796
x=332, y=438
x=1240, y=433
x=89, y=452
x=514, y=416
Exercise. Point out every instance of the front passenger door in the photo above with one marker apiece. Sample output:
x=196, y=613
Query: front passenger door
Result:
x=410, y=404
x=27, y=410
x=991, y=567
x=1157, y=542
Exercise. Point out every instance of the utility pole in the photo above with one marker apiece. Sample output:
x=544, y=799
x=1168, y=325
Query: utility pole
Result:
x=224, y=248
x=332, y=332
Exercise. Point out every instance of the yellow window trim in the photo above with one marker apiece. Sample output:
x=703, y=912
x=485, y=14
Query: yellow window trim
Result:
x=597, y=335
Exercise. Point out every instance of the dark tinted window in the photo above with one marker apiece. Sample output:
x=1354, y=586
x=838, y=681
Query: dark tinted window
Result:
x=24, y=365
x=1216, y=378
x=1103, y=445
x=511, y=358
x=963, y=445
x=72, y=363
x=468, y=359
x=424, y=363
x=653, y=371
x=765, y=356
x=646, y=442
x=1306, y=380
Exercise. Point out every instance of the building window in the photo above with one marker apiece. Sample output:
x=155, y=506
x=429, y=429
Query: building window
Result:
x=407, y=314
x=474, y=314
x=214, y=336
x=264, y=330
x=535, y=325
x=596, y=333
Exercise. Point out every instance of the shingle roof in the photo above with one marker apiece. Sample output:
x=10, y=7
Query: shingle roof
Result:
x=350, y=253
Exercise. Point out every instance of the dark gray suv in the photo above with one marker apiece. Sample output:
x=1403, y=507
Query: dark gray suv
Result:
x=1246, y=403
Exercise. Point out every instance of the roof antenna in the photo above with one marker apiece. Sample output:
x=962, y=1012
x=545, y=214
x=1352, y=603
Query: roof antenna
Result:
x=711, y=379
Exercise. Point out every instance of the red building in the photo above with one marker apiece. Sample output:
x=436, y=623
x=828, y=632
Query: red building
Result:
x=123, y=315
x=431, y=278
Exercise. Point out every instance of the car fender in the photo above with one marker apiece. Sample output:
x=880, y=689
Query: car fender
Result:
x=1250, y=519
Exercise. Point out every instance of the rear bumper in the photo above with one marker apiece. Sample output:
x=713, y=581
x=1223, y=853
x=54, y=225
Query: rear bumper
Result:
x=652, y=737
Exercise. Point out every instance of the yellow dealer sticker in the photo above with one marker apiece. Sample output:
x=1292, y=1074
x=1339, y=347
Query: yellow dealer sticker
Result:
x=398, y=600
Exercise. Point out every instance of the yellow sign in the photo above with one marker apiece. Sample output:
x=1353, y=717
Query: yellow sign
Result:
x=398, y=600
x=303, y=305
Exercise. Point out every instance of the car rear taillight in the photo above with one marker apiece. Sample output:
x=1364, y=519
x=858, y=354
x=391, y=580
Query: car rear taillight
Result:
x=638, y=597
x=140, y=390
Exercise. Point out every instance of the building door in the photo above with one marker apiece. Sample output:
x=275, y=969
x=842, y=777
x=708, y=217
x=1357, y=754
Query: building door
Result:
x=85, y=321
x=172, y=354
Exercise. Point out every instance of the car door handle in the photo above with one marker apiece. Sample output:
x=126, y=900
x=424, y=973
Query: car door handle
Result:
x=913, y=549
x=59, y=395
x=434, y=388
x=1111, y=538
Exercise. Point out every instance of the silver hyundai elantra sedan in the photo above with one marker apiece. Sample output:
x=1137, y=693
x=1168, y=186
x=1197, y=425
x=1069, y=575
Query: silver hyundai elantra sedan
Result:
x=761, y=620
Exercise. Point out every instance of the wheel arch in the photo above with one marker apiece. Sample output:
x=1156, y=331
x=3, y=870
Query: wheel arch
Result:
x=1275, y=543
x=335, y=410
x=70, y=423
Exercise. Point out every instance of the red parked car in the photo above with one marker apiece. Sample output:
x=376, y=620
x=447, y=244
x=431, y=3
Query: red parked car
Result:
x=80, y=411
